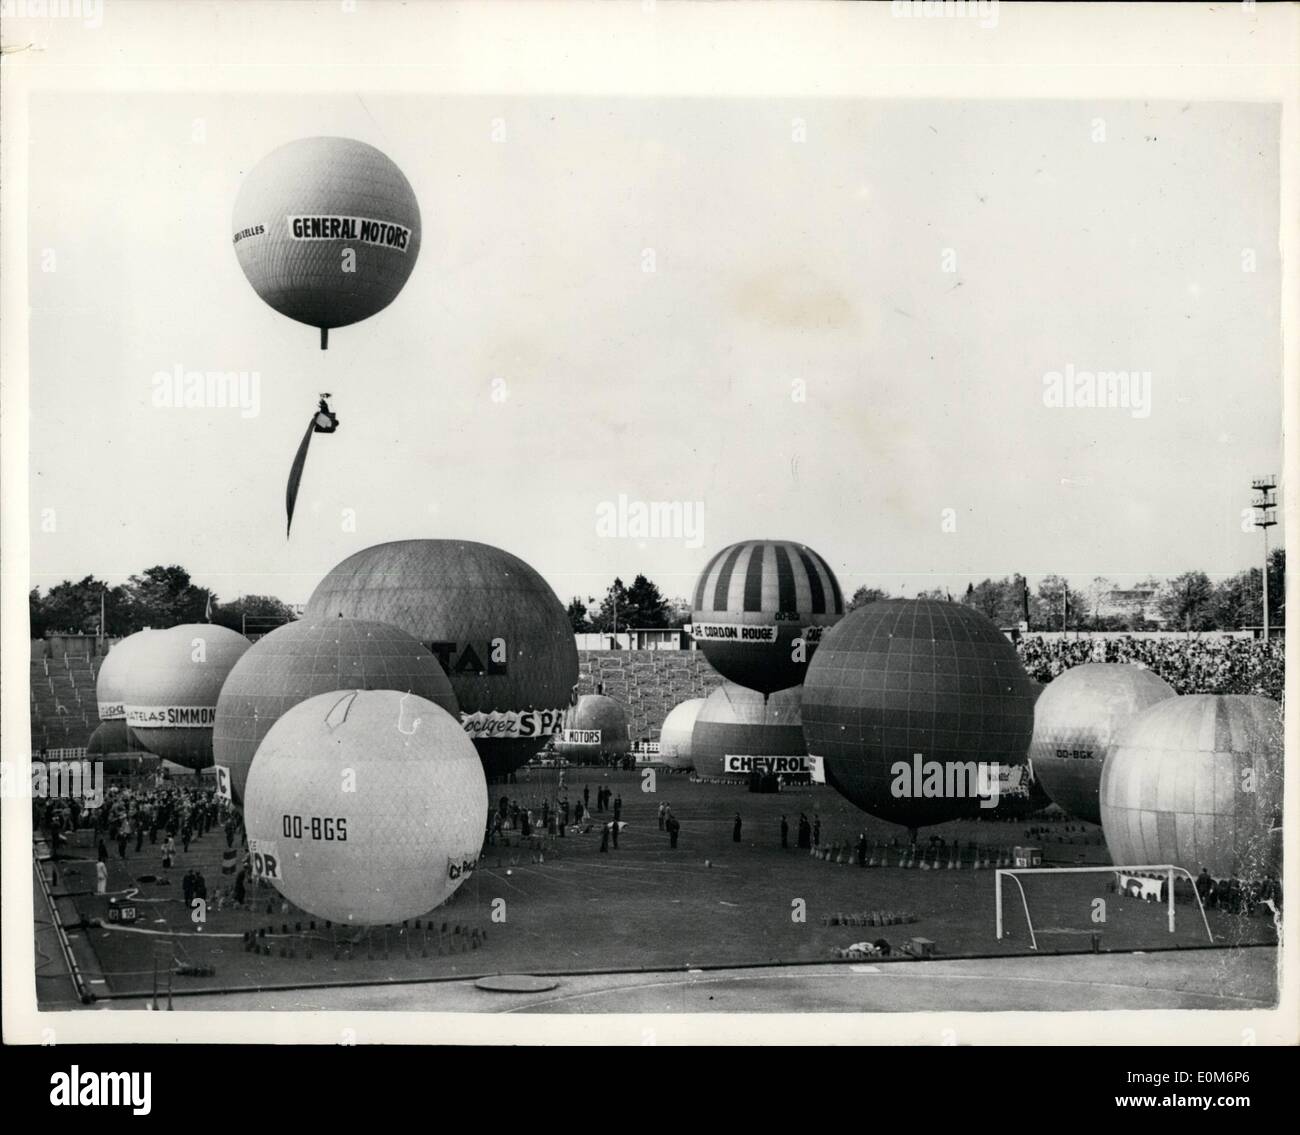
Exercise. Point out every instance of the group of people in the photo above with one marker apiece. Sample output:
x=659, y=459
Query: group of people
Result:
x=809, y=835
x=552, y=816
x=1200, y=665
x=669, y=823
x=126, y=816
x=1237, y=896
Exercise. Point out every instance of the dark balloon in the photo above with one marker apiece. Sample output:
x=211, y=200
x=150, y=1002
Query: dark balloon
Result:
x=903, y=677
x=599, y=715
x=314, y=656
x=496, y=626
x=111, y=737
x=753, y=604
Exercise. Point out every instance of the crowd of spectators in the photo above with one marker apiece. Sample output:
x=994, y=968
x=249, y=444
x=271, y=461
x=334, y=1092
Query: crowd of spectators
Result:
x=130, y=816
x=1192, y=665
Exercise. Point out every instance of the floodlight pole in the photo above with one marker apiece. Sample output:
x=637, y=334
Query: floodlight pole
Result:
x=1265, y=506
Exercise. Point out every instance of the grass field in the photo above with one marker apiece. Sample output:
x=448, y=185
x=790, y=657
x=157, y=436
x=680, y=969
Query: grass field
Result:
x=712, y=902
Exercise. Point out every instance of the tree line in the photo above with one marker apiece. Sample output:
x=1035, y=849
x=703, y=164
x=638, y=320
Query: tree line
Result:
x=623, y=607
x=166, y=596
x=159, y=597
x=1190, y=601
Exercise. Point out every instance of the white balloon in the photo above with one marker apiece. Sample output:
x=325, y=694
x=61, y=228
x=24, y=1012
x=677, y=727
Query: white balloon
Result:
x=366, y=806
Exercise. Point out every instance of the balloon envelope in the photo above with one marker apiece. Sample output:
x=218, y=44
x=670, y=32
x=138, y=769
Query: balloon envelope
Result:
x=110, y=737
x=675, y=734
x=327, y=230
x=596, y=727
x=496, y=626
x=736, y=722
x=302, y=659
x=1075, y=720
x=1196, y=781
x=172, y=687
x=903, y=677
x=395, y=846
x=753, y=601
x=110, y=686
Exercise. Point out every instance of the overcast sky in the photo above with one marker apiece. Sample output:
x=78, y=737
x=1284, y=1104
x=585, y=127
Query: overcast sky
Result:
x=776, y=261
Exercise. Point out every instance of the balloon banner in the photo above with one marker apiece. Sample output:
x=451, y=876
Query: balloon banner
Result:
x=513, y=723
x=171, y=716
x=363, y=229
x=765, y=765
x=732, y=632
x=462, y=867
x=265, y=858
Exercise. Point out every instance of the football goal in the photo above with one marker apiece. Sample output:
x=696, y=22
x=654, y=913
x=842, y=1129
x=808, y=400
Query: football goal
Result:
x=1069, y=903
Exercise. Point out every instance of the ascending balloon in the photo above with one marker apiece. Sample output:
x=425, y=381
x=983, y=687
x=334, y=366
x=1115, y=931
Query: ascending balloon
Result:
x=327, y=231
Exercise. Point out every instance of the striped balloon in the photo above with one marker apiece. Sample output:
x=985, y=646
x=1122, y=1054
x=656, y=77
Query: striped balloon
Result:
x=759, y=607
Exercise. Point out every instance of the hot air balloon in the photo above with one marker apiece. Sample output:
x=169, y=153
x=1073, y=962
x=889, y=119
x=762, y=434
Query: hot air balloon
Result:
x=327, y=230
x=308, y=657
x=1196, y=781
x=111, y=684
x=109, y=738
x=366, y=807
x=172, y=686
x=675, y=734
x=759, y=611
x=1075, y=720
x=736, y=722
x=595, y=728
x=908, y=700
x=498, y=629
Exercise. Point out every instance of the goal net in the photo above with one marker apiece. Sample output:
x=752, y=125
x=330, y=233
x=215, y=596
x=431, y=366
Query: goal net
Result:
x=1116, y=908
